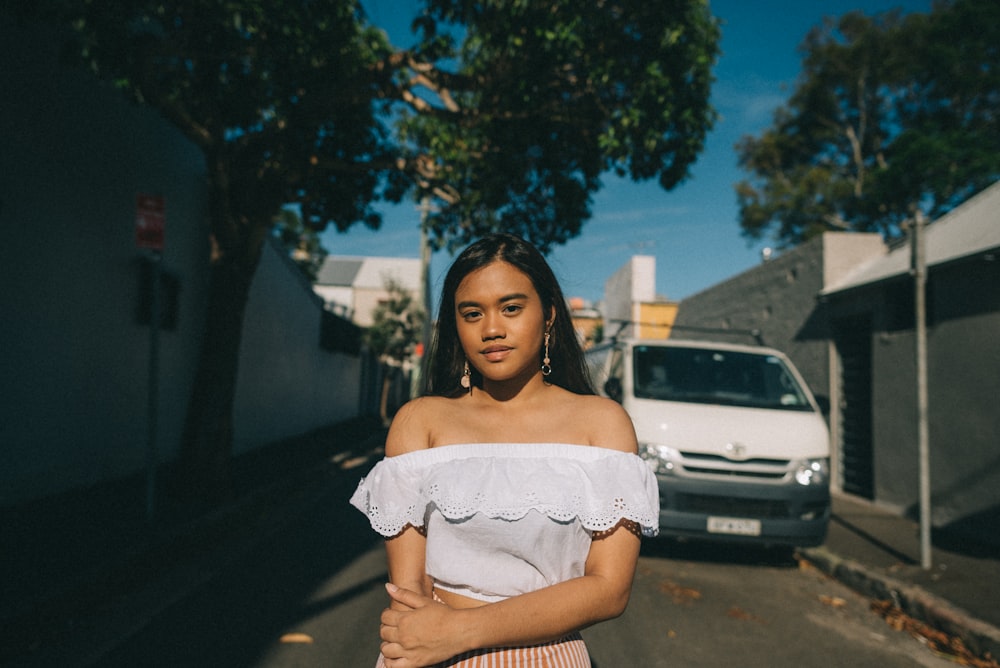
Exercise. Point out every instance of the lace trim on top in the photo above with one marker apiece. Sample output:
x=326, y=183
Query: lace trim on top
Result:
x=597, y=486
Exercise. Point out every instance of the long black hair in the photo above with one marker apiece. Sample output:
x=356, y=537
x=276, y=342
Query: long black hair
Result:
x=447, y=359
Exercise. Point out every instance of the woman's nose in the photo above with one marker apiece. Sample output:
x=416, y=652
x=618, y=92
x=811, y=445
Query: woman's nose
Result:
x=492, y=327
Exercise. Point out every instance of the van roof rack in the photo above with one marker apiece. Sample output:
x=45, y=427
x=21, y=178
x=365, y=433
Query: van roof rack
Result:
x=755, y=334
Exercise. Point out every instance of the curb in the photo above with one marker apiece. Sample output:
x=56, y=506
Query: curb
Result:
x=979, y=637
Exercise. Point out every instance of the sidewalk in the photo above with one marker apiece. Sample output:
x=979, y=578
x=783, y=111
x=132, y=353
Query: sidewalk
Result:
x=68, y=558
x=878, y=554
x=63, y=559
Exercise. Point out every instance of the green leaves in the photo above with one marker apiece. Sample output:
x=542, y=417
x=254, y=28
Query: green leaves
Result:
x=889, y=112
x=552, y=95
x=397, y=324
x=506, y=112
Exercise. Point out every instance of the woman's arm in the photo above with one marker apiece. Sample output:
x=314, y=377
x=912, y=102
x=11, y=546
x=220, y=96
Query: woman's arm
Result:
x=405, y=556
x=405, y=552
x=430, y=632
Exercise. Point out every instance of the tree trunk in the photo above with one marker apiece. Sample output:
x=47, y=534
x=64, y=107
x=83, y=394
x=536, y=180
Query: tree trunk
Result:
x=383, y=404
x=203, y=475
x=206, y=449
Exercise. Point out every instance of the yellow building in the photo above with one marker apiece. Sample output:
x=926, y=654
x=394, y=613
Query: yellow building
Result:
x=655, y=319
x=631, y=306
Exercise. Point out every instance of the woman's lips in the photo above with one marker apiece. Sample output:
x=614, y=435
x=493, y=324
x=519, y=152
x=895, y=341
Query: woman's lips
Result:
x=495, y=353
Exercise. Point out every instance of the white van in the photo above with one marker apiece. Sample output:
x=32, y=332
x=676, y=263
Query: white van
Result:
x=737, y=441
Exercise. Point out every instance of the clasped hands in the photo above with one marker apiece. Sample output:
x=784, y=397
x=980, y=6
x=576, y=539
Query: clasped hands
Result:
x=414, y=633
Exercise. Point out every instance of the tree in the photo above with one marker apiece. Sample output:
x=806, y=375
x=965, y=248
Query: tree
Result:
x=302, y=243
x=397, y=326
x=890, y=112
x=504, y=115
x=546, y=97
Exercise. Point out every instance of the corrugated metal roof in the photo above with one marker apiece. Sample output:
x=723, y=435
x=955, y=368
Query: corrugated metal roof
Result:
x=971, y=228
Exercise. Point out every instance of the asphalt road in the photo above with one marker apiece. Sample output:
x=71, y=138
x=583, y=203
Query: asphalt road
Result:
x=305, y=590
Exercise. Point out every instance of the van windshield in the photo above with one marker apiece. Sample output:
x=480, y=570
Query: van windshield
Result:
x=704, y=375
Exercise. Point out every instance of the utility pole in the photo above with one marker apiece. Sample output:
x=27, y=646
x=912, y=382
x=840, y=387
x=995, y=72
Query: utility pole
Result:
x=425, y=282
x=150, y=227
x=918, y=249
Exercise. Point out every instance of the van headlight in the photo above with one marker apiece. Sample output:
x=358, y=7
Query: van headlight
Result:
x=812, y=471
x=661, y=459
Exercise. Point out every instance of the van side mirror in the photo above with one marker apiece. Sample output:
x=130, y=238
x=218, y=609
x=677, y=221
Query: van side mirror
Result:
x=613, y=388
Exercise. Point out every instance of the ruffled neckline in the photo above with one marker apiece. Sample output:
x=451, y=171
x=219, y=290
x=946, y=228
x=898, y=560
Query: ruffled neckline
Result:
x=597, y=486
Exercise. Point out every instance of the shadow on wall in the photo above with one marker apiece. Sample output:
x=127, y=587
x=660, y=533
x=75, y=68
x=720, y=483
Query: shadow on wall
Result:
x=976, y=535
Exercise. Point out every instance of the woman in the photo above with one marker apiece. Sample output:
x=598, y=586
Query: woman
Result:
x=511, y=497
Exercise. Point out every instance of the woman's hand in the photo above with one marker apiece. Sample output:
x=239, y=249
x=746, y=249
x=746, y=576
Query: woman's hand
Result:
x=419, y=634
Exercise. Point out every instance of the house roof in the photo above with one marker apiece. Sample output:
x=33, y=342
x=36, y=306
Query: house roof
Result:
x=369, y=272
x=971, y=228
x=338, y=271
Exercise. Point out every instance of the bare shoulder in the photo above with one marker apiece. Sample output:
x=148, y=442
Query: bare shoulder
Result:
x=411, y=426
x=607, y=423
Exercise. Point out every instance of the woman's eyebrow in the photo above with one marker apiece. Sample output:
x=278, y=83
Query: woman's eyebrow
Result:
x=506, y=298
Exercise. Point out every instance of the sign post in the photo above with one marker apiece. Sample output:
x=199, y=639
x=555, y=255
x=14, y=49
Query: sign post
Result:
x=918, y=248
x=150, y=226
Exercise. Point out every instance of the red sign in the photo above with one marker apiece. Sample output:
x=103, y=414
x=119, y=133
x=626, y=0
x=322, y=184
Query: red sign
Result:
x=150, y=221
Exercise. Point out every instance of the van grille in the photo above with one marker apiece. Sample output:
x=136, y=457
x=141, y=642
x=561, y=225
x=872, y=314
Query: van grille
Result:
x=717, y=465
x=728, y=506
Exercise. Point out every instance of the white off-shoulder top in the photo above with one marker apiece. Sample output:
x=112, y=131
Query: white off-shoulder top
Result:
x=504, y=519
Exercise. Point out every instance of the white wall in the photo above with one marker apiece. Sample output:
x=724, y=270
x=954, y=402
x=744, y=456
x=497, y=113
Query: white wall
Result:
x=288, y=384
x=634, y=283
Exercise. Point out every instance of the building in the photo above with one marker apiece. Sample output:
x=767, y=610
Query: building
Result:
x=354, y=286
x=871, y=323
x=842, y=307
x=631, y=306
x=774, y=303
x=587, y=321
x=75, y=303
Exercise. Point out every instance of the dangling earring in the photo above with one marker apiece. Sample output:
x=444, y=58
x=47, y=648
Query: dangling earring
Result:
x=546, y=369
x=466, y=380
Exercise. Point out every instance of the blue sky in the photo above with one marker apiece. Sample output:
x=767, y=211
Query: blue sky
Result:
x=693, y=230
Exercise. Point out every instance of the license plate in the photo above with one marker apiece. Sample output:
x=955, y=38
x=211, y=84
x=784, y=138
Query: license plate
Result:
x=734, y=526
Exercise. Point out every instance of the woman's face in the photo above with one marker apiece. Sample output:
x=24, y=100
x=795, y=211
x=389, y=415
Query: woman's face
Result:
x=501, y=322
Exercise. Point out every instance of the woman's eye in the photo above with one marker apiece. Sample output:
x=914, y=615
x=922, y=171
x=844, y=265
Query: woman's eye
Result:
x=470, y=315
x=511, y=308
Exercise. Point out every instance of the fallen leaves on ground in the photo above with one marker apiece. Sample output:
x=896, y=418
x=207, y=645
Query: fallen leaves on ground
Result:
x=680, y=595
x=938, y=641
x=832, y=601
x=736, y=612
x=805, y=564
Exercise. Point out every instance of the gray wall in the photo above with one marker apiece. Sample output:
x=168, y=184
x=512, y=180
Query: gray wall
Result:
x=963, y=353
x=75, y=361
x=964, y=382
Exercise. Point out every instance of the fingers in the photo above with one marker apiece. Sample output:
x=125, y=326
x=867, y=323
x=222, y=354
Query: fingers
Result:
x=386, y=631
x=390, y=659
x=408, y=598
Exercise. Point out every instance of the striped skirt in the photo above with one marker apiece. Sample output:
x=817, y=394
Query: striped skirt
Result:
x=570, y=652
